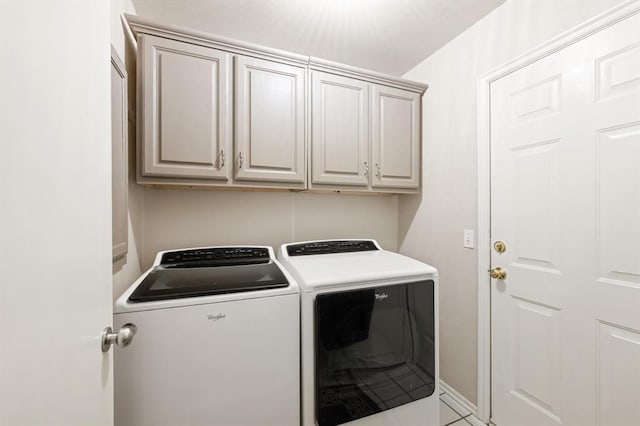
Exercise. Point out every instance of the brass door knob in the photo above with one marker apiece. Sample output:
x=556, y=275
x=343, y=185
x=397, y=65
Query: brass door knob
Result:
x=498, y=273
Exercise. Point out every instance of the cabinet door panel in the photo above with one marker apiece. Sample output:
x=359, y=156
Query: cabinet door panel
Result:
x=340, y=131
x=395, y=138
x=186, y=109
x=119, y=148
x=270, y=130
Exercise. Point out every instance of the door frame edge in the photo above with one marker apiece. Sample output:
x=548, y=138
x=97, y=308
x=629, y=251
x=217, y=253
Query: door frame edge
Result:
x=593, y=25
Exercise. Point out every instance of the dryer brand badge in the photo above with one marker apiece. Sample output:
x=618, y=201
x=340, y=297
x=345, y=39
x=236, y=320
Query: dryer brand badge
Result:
x=381, y=296
x=217, y=317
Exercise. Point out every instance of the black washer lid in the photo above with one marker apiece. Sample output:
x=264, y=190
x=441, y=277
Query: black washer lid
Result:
x=205, y=272
x=177, y=283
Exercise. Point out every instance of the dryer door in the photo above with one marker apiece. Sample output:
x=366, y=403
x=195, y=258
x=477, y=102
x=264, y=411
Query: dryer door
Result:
x=375, y=350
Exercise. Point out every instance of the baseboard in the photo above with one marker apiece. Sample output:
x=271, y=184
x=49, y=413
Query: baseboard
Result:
x=457, y=397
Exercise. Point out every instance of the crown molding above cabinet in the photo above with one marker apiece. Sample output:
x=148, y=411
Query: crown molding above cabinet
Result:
x=220, y=113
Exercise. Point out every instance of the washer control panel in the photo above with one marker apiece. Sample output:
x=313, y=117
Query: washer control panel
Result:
x=216, y=256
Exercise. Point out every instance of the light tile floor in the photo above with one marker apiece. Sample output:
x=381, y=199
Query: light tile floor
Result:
x=453, y=414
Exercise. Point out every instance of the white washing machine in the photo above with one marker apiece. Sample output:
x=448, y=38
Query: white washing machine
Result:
x=217, y=341
x=369, y=324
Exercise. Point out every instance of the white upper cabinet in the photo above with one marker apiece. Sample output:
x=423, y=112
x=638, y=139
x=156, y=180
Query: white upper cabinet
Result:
x=216, y=112
x=365, y=130
x=185, y=102
x=269, y=121
x=395, y=138
x=340, y=130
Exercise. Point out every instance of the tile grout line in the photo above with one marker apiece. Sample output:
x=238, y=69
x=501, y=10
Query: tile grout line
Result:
x=474, y=416
x=462, y=417
x=455, y=421
x=454, y=410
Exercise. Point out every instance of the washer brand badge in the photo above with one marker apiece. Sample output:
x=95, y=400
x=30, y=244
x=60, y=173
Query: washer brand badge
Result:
x=381, y=296
x=215, y=318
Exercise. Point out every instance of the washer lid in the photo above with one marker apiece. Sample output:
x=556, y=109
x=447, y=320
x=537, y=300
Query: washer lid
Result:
x=164, y=283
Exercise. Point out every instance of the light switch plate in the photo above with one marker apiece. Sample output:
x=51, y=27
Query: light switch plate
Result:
x=468, y=239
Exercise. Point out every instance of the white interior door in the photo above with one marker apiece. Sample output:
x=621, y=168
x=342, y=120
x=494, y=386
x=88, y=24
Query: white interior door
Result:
x=55, y=213
x=565, y=199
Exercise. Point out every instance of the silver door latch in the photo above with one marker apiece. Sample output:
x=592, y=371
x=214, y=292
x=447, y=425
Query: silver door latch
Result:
x=122, y=338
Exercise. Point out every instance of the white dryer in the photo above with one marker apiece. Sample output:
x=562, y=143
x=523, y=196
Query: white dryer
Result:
x=369, y=321
x=217, y=341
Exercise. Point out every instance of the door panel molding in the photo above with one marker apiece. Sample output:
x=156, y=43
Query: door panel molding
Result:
x=618, y=259
x=615, y=343
x=529, y=384
x=618, y=13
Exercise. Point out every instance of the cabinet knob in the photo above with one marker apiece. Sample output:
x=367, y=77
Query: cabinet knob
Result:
x=378, y=174
x=221, y=158
x=239, y=160
x=366, y=169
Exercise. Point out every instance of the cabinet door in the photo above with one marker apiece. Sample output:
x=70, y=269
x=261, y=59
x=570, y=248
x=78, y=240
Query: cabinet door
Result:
x=185, y=104
x=395, y=138
x=340, y=130
x=119, y=147
x=269, y=127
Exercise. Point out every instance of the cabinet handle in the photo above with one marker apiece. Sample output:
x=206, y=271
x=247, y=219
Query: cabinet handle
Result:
x=221, y=158
x=239, y=160
x=366, y=169
x=378, y=174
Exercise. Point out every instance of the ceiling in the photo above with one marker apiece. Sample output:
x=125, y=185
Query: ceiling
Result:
x=389, y=36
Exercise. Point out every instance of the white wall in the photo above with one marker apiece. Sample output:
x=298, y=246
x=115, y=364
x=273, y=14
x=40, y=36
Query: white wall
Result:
x=127, y=269
x=188, y=218
x=430, y=227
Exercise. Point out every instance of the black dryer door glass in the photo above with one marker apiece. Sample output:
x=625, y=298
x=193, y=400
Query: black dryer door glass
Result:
x=375, y=350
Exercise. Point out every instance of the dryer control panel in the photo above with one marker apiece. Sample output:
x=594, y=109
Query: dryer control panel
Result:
x=330, y=247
